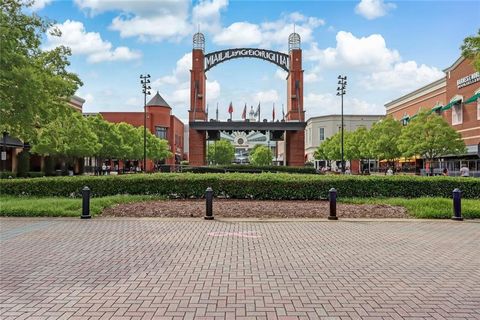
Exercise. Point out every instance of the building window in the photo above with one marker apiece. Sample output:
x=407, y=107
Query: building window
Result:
x=457, y=114
x=161, y=132
x=321, y=135
x=478, y=109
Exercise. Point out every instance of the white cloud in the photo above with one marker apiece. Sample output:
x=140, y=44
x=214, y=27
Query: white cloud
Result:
x=158, y=20
x=239, y=34
x=180, y=74
x=90, y=44
x=270, y=33
x=317, y=104
x=403, y=76
x=372, y=9
x=266, y=96
x=40, y=4
x=206, y=15
x=368, y=53
x=281, y=74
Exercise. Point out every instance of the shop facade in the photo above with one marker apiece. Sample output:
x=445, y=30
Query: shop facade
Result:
x=456, y=98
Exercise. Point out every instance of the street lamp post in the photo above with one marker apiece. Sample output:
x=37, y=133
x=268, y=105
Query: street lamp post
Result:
x=145, y=80
x=342, y=83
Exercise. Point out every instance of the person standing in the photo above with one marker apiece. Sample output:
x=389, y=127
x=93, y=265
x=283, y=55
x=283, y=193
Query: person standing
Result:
x=464, y=171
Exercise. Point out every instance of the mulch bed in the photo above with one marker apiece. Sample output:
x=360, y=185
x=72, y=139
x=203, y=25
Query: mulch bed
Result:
x=252, y=209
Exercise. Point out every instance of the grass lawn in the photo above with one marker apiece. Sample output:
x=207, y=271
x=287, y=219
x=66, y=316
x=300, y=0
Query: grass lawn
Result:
x=426, y=208
x=61, y=207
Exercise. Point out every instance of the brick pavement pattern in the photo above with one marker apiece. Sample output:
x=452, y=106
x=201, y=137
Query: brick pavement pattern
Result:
x=164, y=269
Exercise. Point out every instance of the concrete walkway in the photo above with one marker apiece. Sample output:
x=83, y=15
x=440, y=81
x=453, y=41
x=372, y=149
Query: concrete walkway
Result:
x=230, y=269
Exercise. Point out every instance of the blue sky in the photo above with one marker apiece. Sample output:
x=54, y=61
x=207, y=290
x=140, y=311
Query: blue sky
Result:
x=386, y=48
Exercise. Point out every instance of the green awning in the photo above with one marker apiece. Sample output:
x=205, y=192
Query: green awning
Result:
x=451, y=104
x=473, y=98
x=414, y=116
x=405, y=118
x=438, y=107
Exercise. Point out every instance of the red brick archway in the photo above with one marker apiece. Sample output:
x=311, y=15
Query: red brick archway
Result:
x=292, y=63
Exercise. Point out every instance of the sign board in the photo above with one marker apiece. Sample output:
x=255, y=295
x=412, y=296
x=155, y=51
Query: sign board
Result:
x=275, y=57
x=468, y=80
x=4, y=155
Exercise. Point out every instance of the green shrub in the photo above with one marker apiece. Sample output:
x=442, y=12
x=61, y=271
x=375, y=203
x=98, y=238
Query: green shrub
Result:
x=249, y=169
x=240, y=186
x=23, y=164
x=7, y=174
x=36, y=174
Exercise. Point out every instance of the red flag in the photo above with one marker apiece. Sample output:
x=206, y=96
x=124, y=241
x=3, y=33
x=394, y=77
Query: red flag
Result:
x=244, y=114
x=230, y=108
x=273, y=113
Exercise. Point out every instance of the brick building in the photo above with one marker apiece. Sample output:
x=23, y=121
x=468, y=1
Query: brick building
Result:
x=456, y=97
x=160, y=122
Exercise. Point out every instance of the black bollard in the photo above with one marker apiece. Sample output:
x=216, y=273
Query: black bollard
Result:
x=332, y=198
x=209, y=202
x=457, y=205
x=86, y=203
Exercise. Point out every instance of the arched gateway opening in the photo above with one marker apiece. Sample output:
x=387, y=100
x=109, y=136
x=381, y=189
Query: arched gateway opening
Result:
x=290, y=130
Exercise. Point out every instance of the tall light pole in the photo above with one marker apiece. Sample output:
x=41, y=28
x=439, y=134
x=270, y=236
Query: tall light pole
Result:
x=342, y=83
x=144, y=81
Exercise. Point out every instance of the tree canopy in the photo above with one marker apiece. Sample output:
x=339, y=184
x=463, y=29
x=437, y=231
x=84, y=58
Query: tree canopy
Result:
x=430, y=136
x=261, y=156
x=471, y=49
x=34, y=83
x=383, y=139
x=221, y=152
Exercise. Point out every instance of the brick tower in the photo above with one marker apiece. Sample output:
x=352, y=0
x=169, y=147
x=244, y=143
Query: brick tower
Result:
x=197, y=139
x=295, y=140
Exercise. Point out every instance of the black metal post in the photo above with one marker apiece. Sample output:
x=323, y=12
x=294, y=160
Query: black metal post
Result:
x=4, y=150
x=86, y=203
x=332, y=199
x=145, y=80
x=457, y=205
x=342, y=82
x=209, y=204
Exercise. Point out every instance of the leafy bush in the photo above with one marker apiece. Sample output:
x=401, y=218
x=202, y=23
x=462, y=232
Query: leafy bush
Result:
x=249, y=169
x=36, y=174
x=240, y=186
x=7, y=174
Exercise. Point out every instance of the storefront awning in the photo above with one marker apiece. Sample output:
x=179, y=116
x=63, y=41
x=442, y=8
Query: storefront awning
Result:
x=436, y=108
x=451, y=104
x=473, y=98
x=405, y=118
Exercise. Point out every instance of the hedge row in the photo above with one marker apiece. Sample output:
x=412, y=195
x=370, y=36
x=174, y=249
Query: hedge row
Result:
x=31, y=174
x=253, y=186
x=249, y=169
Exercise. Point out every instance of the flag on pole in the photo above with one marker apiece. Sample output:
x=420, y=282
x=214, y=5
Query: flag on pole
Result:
x=244, y=113
x=230, y=109
x=207, y=112
x=217, y=112
x=257, y=113
x=283, y=113
x=273, y=113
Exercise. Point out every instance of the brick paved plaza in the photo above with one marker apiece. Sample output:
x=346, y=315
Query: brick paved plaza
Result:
x=194, y=269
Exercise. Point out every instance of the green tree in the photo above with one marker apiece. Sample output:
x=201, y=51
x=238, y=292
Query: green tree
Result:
x=34, y=83
x=383, y=139
x=221, y=152
x=157, y=149
x=132, y=138
x=112, y=144
x=430, y=136
x=67, y=137
x=471, y=49
x=261, y=156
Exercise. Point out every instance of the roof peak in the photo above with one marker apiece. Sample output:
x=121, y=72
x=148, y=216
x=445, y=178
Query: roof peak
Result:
x=157, y=101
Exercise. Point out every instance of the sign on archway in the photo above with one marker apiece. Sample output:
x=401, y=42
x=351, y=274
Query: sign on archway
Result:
x=275, y=57
x=291, y=127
